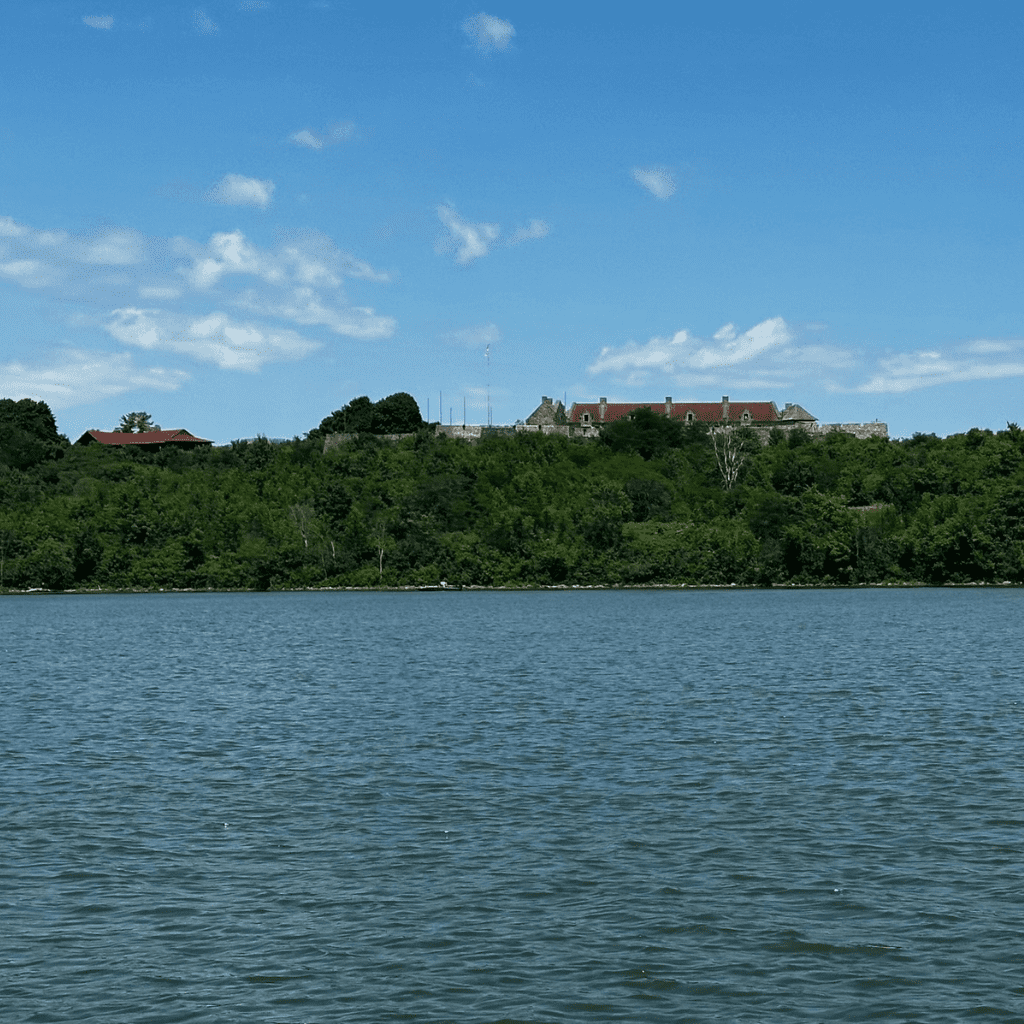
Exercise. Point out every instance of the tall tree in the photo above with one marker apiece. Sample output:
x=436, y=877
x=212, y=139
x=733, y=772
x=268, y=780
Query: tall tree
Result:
x=397, y=414
x=28, y=433
x=137, y=423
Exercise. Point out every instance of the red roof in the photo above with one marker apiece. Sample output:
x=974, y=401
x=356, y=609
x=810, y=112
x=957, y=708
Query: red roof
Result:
x=116, y=437
x=703, y=412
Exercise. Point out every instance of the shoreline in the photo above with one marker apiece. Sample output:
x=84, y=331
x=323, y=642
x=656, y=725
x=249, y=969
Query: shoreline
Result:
x=481, y=588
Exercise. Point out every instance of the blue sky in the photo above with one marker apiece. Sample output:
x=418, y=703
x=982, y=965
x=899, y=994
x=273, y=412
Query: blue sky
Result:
x=240, y=215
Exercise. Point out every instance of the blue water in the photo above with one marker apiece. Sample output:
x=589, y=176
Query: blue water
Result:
x=475, y=807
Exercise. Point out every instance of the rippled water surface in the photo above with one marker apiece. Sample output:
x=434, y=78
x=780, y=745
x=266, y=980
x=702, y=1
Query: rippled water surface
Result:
x=596, y=806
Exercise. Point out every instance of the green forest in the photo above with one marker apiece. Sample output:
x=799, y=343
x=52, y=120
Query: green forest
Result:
x=650, y=502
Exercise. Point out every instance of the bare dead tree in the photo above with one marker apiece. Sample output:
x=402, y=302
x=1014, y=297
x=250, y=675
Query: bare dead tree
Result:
x=731, y=451
x=380, y=536
x=303, y=517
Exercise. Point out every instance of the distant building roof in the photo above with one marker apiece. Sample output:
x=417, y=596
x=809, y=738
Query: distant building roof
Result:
x=797, y=412
x=547, y=413
x=148, y=438
x=700, y=412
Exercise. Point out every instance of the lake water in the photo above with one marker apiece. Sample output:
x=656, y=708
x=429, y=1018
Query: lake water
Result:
x=654, y=806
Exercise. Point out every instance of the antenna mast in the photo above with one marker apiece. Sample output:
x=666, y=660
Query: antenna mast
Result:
x=487, y=353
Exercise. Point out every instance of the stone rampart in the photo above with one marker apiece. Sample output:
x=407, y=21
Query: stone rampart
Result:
x=333, y=440
x=815, y=429
x=861, y=430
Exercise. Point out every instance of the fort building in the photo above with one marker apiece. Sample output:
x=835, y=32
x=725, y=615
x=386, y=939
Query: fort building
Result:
x=761, y=416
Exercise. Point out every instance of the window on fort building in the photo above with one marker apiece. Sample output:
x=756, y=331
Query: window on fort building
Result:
x=586, y=417
x=746, y=417
x=689, y=416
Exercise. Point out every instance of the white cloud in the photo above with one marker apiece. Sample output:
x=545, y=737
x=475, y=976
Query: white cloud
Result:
x=202, y=22
x=40, y=259
x=238, y=190
x=98, y=21
x=912, y=371
x=535, y=229
x=489, y=34
x=307, y=138
x=213, y=338
x=337, y=132
x=227, y=252
x=990, y=347
x=117, y=247
x=79, y=378
x=470, y=241
x=254, y=5
x=683, y=352
x=312, y=260
x=659, y=181
x=304, y=306
x=302, y=280
x=10, y=229
x=29, y=273
x=770, y=355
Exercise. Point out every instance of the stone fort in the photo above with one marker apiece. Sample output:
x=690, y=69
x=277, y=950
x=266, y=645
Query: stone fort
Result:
x=585, y=419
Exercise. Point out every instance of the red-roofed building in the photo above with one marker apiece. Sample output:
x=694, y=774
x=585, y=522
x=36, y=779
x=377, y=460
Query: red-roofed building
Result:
x=737, y=413
x=149, y=440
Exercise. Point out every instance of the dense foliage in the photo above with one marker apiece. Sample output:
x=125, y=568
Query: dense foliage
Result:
x=28, y=434
x=397, y=414
x=646, y=504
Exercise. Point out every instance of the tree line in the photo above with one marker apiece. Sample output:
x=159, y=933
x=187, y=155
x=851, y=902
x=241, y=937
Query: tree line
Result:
x=649, y=503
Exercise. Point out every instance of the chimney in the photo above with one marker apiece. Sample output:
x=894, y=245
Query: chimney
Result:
x=725, y=408
x=604, y=404
x=668, y=405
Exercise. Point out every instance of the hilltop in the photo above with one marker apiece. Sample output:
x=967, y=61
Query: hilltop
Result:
x=651, y=501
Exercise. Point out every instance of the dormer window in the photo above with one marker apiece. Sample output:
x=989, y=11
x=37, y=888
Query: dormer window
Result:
x=586, y=417
x=746, y=416
x=689, y=416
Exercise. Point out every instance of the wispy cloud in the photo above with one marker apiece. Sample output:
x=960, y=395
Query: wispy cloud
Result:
x=489, y=34
x=254, y=5
x=310, y=260
x=305, y=306
x=98, y=21
x=535, y=229
x=659, y=181
x=305, y=278
x=203, y=23
x=470, y=241
x=29, y=273
x=684, y=352
x=200, y=289
x=77, y=377
x=775, y=353
x=912, y=371
x=40, y=259
x=238, y=190
x=338, y=132
x=213, y=338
